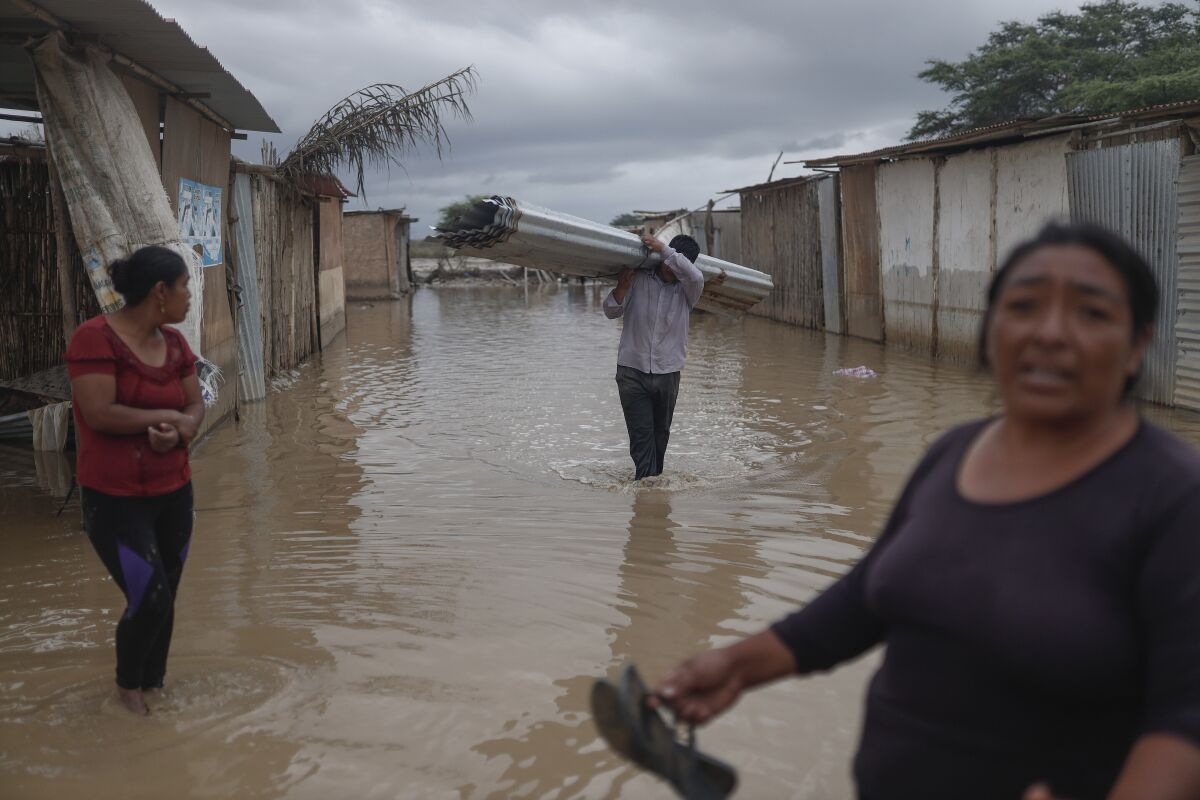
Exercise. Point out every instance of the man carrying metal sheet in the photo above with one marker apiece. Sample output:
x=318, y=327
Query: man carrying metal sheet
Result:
x=655, y=304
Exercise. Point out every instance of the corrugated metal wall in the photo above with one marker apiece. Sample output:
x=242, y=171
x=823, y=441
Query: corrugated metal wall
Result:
x=1131, y=189
x=829, y=198
x=781, y=236
x=1187, y=323
x=252, y=376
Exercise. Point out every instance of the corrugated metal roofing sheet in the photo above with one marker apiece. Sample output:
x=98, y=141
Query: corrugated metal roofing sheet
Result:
x=1013, y=129
x=326, y=186
x=400, y=213
x=660, y=214
x=502, y=229
x=135, y=30
x=782, y=183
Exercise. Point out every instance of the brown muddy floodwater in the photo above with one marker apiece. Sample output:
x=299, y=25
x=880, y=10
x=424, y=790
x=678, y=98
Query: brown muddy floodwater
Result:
x=412, y=560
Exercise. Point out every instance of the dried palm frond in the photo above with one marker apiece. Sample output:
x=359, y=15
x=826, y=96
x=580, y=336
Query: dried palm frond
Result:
x=377, y=124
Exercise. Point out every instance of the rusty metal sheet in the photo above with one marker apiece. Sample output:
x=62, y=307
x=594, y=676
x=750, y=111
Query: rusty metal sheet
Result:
x=860, y=253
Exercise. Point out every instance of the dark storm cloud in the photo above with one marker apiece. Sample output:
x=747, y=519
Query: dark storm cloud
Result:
x=596, y=110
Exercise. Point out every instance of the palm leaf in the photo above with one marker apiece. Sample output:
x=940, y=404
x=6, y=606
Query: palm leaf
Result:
x=376, y=125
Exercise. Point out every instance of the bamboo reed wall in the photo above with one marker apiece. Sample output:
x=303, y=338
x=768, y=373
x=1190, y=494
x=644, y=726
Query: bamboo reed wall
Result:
x=283, y=249
x=781, y=236
x=31, y=319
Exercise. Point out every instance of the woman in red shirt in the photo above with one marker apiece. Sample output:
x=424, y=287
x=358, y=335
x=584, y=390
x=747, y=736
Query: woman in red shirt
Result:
x=137, y=406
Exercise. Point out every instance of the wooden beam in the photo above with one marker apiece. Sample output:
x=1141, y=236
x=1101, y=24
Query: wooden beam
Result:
x=129, y=64
x=42, y=14
x=167, y=86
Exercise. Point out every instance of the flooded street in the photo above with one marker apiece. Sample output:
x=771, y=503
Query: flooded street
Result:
x=411, y=562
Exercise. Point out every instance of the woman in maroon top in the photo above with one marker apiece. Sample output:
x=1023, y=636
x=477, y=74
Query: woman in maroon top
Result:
x=137, y=406
x=1037, y=586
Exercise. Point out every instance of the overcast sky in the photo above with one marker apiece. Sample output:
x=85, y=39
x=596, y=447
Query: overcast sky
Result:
x=594, y=109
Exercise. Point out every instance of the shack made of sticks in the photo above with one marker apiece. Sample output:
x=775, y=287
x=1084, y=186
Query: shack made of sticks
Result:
x=289, y=266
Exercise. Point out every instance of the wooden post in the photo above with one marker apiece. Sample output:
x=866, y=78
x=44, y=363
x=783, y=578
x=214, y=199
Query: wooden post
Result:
x=710, y=233
x=62, y=251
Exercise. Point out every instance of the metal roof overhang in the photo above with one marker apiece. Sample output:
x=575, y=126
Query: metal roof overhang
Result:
x=782, y=183
x=133, y=31
x=1012, y=131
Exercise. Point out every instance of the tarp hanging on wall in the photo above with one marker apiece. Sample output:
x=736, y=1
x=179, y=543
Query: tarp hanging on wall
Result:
x=109, y=174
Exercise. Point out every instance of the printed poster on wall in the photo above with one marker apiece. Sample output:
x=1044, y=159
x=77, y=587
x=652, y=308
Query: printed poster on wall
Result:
x=200, y=219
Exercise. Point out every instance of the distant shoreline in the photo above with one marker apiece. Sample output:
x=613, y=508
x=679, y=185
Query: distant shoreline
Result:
x=466, y=269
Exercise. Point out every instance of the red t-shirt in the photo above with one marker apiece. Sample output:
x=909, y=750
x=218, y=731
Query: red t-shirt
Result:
x=126, y=465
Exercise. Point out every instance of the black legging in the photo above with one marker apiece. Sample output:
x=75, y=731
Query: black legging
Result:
x=143, y=541
x=648, y=401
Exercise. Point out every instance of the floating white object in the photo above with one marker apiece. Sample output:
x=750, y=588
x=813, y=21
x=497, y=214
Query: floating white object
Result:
x=857, y=372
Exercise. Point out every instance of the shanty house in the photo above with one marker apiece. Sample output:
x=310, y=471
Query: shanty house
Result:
x=187, y=107
x=378, y=262
x=926, y=224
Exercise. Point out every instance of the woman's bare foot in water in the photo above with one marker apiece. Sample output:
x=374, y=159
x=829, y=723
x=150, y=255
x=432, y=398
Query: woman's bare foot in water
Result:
x=134, y=701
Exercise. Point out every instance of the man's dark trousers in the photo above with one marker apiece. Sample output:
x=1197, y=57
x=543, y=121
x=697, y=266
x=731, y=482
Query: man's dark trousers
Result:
x=649, y=404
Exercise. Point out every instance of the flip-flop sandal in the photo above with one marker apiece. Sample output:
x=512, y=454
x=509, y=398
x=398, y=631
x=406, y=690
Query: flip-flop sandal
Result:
x=638, y=732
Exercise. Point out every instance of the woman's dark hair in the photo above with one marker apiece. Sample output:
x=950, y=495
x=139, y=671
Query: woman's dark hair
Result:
x=686, y=245
x=135, y=276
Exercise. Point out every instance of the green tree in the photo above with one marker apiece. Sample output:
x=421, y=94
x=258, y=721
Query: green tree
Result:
x=626, y=220
x=1110, y=56
x=447, y=214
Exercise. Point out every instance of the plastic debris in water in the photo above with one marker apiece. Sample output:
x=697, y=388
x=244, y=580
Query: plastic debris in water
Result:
x=857, y=372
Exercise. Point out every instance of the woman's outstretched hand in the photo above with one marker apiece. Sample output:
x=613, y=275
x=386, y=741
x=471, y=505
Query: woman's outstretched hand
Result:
x=701, y=687
x=707, y=684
